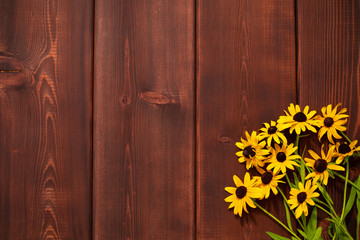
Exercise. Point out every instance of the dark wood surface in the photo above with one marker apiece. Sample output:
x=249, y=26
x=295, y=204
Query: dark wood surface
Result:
x=144, y=120
x=174, y=85
x=245, y=76
x=328, y=63
x=45, y=119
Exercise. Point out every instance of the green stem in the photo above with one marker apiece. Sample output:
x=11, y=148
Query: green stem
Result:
x=320, y=207
x=346, y=137
x=277, y=220
x=334, y=236
x=297, y=143
x=303, y=219
x=283, y=195
x=328, y=203
x=343, y=178
x=345, y=230
x=345, y=190
x=288, y=180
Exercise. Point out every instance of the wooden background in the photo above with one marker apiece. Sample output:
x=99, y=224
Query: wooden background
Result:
x=118, y=118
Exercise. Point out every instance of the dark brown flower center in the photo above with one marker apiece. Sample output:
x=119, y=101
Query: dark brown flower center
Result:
x=344, y=148
x=320, y=165
x=281, y=156
x=301, y=197
x=249, y=152
x=266, y=177
x=241, y=192
x=272, y=130
x=300, y=117
x=328, y=121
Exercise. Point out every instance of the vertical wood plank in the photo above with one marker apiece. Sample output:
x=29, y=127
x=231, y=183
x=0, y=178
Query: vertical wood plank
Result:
x=45, y=119
x=328, y=63
x=245, y=76
x=144, y=120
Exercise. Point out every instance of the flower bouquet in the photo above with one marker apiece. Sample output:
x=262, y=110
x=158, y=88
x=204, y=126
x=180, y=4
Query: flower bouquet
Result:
x=274, y=154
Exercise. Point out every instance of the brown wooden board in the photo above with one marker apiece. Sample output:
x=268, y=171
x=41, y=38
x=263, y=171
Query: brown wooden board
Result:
x=45, y=119
x=328, y=61
x=245, y=76
x=144, y=120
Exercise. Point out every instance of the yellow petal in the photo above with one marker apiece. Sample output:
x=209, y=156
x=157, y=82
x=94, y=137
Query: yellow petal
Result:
x=335, y=167
x=307, y=185
x=230, y=190
x=232, y=205
x=322, y=131
x=310, y=202
x=325, y=178
x=311, y=128
x=291, y=109
x=237, y=181
x=250, y=202
x=306, y=110
x=305, y=208
x=301, y=187
x=298, y=212
x=311, y=114
x=240, y=208
x=230, y=198
x=247, y=179
x=329, y=109
x=313, y=154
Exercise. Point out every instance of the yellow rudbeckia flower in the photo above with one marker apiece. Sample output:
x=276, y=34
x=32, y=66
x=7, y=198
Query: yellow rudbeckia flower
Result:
x=330, y=122
x=242, y=195
x=299, y=198
x=267, y=182
x=271, y=132
x=298, y=120
x=282, y=157
x=251, y=151
x=343, y=150
x=322, y=165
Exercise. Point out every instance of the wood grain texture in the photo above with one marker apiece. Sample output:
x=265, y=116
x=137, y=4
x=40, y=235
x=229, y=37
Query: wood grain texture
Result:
x=45, y=119
x=245, y=76
x=328, y=62
x=144, y=120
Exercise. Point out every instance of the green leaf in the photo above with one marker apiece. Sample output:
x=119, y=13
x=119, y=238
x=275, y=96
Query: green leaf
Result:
x=317, y=235
x=326, y=194
x=329, y=230
x=303, y=234
x=331, y=174
x=296, y=179
x=294, y=238
x=276, y=237
x=288, y=219
x=302, y=171
x=340, y=234
x=351, y=200
x=312, y=223
x=332, y=220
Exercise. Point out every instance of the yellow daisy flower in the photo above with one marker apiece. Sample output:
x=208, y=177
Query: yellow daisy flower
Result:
x=298, y=120
x=330, y=122
x=243, y=193
x=251, y=151
x=322, y=165
x=270, y=131
x=344, y=149
x=268, y=181
x=282, y=157
x=299, y=198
